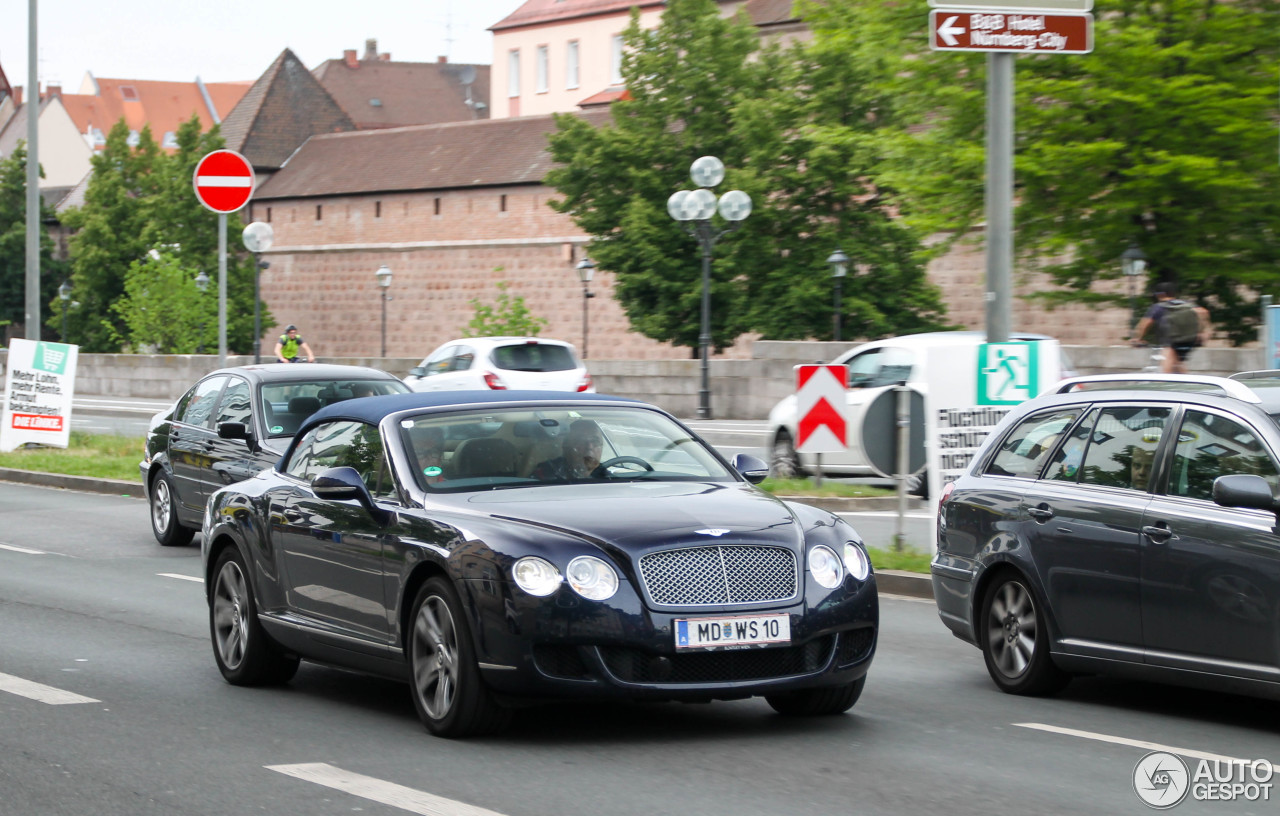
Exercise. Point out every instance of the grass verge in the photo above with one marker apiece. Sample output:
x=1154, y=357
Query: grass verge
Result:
x=97, y=455
x=828, y=490
x=907, y=559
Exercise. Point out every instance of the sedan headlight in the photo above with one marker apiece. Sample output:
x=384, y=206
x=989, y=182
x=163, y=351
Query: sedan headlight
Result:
x=855, y=560
x=592, y=578
x=825, y=566
x=536, y=576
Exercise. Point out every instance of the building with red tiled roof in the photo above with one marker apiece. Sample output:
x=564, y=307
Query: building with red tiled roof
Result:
x=379, y=93
x=162, y=105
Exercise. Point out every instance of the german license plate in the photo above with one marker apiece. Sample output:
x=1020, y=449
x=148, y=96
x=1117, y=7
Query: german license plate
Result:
x=735, y=632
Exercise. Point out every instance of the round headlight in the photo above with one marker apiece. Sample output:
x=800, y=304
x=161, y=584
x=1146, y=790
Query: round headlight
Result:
x=855, y=560
x=592, y=578
x=825, y=567
x=536, y=576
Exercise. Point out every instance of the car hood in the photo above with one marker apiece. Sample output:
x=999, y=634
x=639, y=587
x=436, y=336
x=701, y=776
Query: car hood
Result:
x=641, y=516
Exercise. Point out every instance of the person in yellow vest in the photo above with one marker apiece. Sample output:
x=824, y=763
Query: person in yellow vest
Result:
x=289, y=344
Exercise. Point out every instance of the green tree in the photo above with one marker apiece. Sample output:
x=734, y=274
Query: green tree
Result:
x=1163, y=137
x=162, y=309
x=508, y=316
x=13, y=242
x=697, y=88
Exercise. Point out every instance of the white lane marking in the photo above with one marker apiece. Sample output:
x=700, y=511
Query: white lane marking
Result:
x=377, y=790
x=195, y=578
x=1143, y=744
x=12, y=548
x=40, y=692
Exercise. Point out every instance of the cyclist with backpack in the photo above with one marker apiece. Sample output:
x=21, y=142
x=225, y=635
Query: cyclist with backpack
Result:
x=1179, y=326
x=289, y=344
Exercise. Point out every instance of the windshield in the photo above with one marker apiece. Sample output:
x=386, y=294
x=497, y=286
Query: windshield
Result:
x=286, y=404
x=529, y=447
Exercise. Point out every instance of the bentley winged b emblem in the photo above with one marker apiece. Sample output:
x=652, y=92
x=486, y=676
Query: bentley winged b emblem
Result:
x=713, y=532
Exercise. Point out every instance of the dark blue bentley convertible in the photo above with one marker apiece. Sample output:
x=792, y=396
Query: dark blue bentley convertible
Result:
x=493, y=547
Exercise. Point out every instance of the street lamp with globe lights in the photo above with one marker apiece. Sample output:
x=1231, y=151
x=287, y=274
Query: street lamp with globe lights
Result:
x=64, y=294
x=586, y=271
x=1133, y=262
x=693, y=209
x=384, y=282
x=257, y=238
x=839, y=263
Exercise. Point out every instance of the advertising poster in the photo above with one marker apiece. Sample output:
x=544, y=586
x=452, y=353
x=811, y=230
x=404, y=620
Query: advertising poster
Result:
x=39, y=384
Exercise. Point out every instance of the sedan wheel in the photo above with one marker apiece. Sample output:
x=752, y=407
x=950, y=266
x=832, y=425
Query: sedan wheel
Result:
x=1015, y=640
x=245, y=655
x=784, y=459
x=164, y=513
x=448, y=692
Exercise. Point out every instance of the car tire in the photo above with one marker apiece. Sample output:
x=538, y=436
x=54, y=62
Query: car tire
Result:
x=817, y=702
x=448, y=691
x=246, y=655
x=918, y=484
x=164, y=513
x=1014, y=638
x=783, y=459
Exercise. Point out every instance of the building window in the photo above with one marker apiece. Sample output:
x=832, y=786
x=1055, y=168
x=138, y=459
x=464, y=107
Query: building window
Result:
x=542, y=58
x=571, y=65
x=268, y=215
x=437, y=206
x=513, y=72
x=502, y=203
x=377, y=209
x=615, y=60
x=318, y=206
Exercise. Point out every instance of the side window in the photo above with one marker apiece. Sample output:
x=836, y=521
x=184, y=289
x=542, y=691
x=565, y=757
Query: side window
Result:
x=300, y=463
x=1027, y=447
x=863, y=367
x=339, y=444
x=1123, y=446
x=236, y=404
x=1210, y=446
x=463, y=357
x=439, y=362
x=1065, y=465
x=203, y=398
x=895, y=367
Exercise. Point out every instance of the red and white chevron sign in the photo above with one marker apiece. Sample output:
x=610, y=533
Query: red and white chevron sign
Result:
x=820, y=404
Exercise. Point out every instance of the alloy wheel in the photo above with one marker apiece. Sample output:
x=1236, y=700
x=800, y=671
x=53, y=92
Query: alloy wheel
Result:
x=1011, y=629
x=161, y=505
x=229, y=612
x=435, y=657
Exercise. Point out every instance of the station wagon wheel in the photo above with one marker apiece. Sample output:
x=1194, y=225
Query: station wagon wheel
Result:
x=164, y=513
x=817, y=702
x=1015, y=639
x=447, y=689
x=246, y=656
x=783, y=458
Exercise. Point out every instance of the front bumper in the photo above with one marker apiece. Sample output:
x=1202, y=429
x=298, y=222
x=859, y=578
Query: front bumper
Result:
x=564, y=646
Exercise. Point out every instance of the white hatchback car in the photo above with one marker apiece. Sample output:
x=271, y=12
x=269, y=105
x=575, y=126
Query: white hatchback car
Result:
x=871, y=366
x=500, y=364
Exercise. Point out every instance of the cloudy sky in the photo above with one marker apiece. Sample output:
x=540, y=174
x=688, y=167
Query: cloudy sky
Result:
x=228, y=40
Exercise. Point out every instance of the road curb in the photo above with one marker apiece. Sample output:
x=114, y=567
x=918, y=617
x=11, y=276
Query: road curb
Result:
x=898, y=582
x=87, y=484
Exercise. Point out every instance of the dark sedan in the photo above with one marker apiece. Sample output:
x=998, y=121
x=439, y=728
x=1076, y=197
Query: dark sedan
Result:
x=493, y=547
x=232, y=424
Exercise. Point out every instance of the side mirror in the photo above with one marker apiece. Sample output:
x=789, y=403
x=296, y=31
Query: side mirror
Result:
x=1244, y=490
x=238, y=430
x=417, y=371
x=345, y=484
x=752, y=468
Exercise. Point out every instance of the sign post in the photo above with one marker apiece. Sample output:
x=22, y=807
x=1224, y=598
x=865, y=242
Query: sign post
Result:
x=821, y=406
x=223, y=182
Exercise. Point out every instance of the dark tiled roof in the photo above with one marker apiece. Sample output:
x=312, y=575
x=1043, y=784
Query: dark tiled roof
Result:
x=382, y=94
x=537, y=12
x=284, y=108
x=426, y=157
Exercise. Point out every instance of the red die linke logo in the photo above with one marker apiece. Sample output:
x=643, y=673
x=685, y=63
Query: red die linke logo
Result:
x=37, y=422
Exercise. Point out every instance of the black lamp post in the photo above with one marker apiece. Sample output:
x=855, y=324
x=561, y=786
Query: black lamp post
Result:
x=694, y=210
x=839, y=268
x=64, y=294
x=384, y=282
x=586, y=271
x=258, y=238
x=202, y=283
x=1133, y=261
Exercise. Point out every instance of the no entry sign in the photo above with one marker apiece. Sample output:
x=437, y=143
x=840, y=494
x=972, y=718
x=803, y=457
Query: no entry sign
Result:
x=224, y=181
x=821, y=406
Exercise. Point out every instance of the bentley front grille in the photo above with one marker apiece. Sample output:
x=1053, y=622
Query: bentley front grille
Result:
x=720, y=575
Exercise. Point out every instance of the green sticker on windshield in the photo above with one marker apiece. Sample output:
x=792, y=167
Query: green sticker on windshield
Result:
x=277, y=429
x=432, y=471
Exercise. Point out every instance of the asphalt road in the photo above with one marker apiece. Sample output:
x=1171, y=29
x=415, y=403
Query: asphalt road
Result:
x=91, y=606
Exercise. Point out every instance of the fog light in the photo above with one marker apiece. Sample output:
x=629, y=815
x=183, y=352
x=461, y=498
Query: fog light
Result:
x=825, y=567
x=592, y=578
x=855, y=560
x=536, y=576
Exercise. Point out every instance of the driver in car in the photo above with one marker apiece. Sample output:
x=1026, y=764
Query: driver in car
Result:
x=581, y=460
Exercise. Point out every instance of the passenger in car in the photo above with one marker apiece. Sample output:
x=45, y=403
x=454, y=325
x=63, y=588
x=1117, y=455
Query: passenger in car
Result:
x=428, y=447
x=1140, y=467
x=581, y=460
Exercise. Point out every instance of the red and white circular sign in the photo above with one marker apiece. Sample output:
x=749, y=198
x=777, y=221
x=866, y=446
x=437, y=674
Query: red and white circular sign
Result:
x=224, y=181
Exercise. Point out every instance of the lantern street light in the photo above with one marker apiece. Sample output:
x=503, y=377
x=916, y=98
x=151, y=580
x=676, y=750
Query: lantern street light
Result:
x=384, y=280
x=202, y=283
x=64, y=294
x=257, y=238
x=586, y=271
x=693, y=209
x=1133, y=261
x=839, y=268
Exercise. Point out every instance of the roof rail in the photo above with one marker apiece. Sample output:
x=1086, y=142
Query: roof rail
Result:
x=1230, y=387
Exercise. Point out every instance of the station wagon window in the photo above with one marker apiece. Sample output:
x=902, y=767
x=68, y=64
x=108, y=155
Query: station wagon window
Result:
x=1210, y=446
x=236, y=404
x=1026, y=448
x=1113, y=447
x=203, y=398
